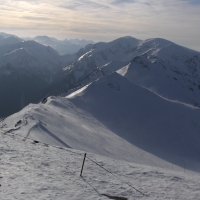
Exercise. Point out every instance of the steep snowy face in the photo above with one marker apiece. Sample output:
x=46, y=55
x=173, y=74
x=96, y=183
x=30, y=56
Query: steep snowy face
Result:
x=102, y=59
x=162, y=127
x=166, y=69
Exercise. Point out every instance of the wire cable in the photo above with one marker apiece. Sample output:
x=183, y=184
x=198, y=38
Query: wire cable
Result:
x=116, y=176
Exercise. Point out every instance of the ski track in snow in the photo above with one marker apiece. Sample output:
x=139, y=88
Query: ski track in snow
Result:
x=37, y=171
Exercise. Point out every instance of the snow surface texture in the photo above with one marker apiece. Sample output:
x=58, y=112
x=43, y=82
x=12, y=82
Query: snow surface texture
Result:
x=30, y=170
x=116, y=118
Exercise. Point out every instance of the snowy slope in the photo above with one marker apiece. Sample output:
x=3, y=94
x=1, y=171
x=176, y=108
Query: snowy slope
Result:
x=165, y=68
x=36, y=171
x=168, y=70
x=59, y=122
x=102, y=59
x=116, y=118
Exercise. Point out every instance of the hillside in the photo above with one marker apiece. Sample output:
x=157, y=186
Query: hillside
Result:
x=168, y=70
x=115, y=118
x=163, y=67
x=146, y=112
x=28, y=72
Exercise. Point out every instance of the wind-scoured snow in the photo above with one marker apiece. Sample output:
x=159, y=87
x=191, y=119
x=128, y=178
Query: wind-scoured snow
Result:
x=32, y=171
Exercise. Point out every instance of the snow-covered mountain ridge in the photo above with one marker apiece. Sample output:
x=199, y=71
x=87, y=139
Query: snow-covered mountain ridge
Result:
x=147, y=113
x=116, y=118
x=172, y=72
x=156, y=64
x=161, y=66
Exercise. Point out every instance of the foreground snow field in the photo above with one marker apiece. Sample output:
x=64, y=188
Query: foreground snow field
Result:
x=31, y=170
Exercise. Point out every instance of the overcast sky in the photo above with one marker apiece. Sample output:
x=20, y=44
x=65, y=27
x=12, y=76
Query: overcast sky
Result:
x=104, y=20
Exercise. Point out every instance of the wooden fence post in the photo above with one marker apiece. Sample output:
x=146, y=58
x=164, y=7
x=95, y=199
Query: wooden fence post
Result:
x=83, y=164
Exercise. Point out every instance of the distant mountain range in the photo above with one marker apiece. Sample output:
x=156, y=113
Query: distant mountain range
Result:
x=167, y=69
x=62, y=46
x=66, y=46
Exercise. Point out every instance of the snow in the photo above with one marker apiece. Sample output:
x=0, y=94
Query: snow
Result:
x=37, y=171
x=99, y=118
x=77, y=129
x=144, y=119
x=85, y=54
x=163, y=67
x=31, y=71
x=78, y=91
x=170, y=71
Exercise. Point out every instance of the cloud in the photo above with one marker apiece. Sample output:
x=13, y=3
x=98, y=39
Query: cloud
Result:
x=83, y=4
x=36, y=18
x=123, y=1
x=192, y=2
x=176, y=20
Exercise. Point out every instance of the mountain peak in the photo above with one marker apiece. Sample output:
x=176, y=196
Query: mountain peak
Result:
x=10, y=40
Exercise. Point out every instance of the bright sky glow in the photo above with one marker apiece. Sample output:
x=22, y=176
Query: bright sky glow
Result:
x=104, y=20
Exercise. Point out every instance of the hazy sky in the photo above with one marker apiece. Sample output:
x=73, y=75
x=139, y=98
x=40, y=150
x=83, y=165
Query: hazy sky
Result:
x=104, y=20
